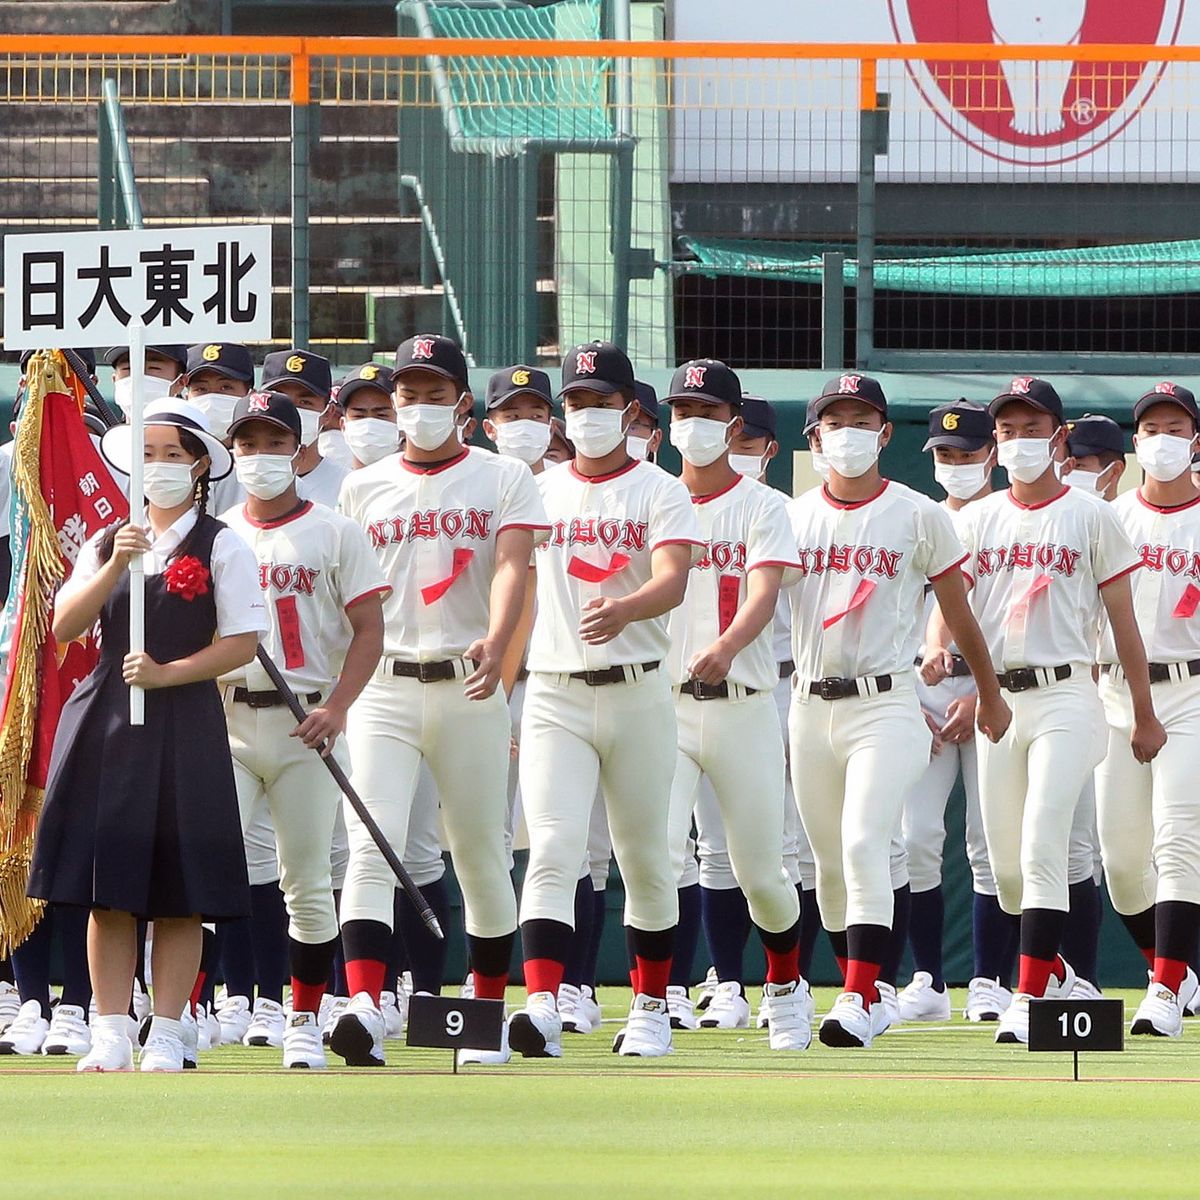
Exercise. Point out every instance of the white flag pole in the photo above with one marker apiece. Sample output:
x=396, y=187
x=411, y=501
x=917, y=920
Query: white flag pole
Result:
x=137, y=569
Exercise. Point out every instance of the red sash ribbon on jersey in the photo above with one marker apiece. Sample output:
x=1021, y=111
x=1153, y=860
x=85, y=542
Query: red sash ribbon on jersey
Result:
x=728, y=589
x=1020, y=607
x=862, y=594
x=591, y=573
x=1188, y=602
x=435, y=591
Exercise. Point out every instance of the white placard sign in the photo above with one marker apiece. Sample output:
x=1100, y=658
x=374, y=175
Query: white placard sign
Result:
x=200, y=283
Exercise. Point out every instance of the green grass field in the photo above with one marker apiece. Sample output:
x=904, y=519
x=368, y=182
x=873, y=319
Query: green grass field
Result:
x=928, y=1111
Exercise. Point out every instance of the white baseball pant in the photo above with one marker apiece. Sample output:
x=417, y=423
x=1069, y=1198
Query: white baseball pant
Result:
x=1029, y=787
x=621, y=736
x=1149, y=814
x=395, y=724
x=599, y=845
x=258, y=837
x=422, y=855
x=736, y=743
x=853, y=761
x=1083, y=850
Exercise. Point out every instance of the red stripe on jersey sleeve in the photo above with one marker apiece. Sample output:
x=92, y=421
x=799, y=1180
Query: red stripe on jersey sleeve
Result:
x=1120, y=574
x=952, y=567
x=384, y=590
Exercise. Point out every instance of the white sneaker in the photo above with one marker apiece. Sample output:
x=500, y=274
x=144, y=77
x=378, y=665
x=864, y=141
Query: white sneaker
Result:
x=568, y=1004
x=302, y=1048
x=68, y=1032
x=1187, y=990
x=329, y=1018
x=233, y=1015
x=141, y=1002
x=886, y=1011
x=111, y=1051
x=728, y=1009
x=162, y=1053
x=1014, y=1023
x=1159, y=1014
x=266, y=1024
x=847, y=1024
x=681, y=1010
x=589, y=1007
x=921, y=1001
x=358, y=1034
x=467, y=991
x=403, y=996
x=1084, y=989
x=27, y=1032
x=790, y=1027
x=987, y=999
x=764, y=1008
x=708, y=989
x=208, y=1028
x=648, y=1030
x=535, y=1031
x=190, y=1034
x=393, y=1022
x=763, y=1019
x=10, y=1004
x=1062, y=983
x=488, y=1058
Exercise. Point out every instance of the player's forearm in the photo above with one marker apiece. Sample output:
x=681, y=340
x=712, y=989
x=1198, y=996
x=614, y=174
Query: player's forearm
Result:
x=662, y=592
x=509, y=585
x=78, y=612
x=959, y=623
x=753, y=616
x=514, y=654
x=1131, y=653
x=224, y=655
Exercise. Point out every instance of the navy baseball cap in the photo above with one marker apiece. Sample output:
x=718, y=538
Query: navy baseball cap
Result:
x=517, y=381
x=853, y=387
x=1093, y=434
x=85, y=352
x=597, y=367
x=175, y=353
x=962, y=425
x=810, y=417
x=369, y=375
x=226, y=358
x=433, y=352
x=705, y=379
x=758, y=417
x=1037, y=393
x=272, y=407
x=311, y=371
x=1168, y=393
x=647, y=399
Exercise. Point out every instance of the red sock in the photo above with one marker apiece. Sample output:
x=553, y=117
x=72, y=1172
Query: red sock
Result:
x=306, y=997
x=1170, y=972
x=653, y=975
x=843, y=966
x=365, y=975
x=860, y=978
x=197, y=988
x=783, y=967
x=543, y=975
x=1148, y=955
x=1034, y=974
x=489, y=987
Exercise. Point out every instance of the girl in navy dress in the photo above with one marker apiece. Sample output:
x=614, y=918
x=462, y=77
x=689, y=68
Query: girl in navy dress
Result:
x=142, y=822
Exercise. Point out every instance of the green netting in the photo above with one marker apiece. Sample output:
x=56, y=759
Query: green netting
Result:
x=1143, y=269
x=558, y=99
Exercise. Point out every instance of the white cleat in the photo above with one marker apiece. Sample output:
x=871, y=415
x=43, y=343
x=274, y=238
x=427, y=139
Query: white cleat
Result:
x=535, y=1031
x=1189, y=989
x=847, y=1024
x=648, y=1030
x=1084, y=989
x=358, y=1034
x=1159, y=1014
x=10, y=1004
x=330, y=1014
x=763, y=1019
x=987, y=999
x=208, y=1029
x=302, y=1047
x=467, y=991
x=190, y=1035
x=708, y=989
x=885, y=1012
x=233, y=1015
x=1014, y=1022
x=266, y=1024
x=1062, y=981
x=162, y=1053
x=568, y=1003
x=589, y=1006
x=681, y=1010
x=790, y=1027
x=921, y=1001
x=393, y=1019
x=111, y=1051
x=488, y=1058
x=68, y=1032
x=728, y=1009
x=27, y=1032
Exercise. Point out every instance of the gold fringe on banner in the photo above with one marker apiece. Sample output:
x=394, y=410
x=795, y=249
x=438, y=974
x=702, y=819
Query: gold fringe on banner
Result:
x=42, y=570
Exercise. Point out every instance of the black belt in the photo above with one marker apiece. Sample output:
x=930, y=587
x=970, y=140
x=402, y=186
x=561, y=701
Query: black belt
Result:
x=1024, y=679
x=711, y=691
x=428, y=672
x=957, y=670
x=787, y=669
x=609, y=674
x=832, y=688
x=271, y=699
x=1162, y=672
x=522, y=674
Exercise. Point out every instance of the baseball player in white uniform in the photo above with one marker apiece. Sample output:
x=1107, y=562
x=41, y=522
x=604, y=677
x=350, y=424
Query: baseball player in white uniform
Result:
x=1044, y=560
x=598, y=704
x=454, y=532
x=867, y=546
x=723, y=664
x=317, y=571
x=367, y=416
x=1148, y=817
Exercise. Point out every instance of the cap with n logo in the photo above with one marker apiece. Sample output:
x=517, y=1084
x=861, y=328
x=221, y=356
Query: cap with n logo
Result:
x=272, y=407
x=311, y=371
x=1028, y=389
x=849, y=387
x=1168, y=393
x=517, y=381
x=707, y=380
x=597, y=367
x=433, y=352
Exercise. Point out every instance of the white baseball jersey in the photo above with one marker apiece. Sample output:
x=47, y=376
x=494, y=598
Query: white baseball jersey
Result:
x=434, y=532
x=603, y=532
x=1037, y=572
x=312, y=567
x=744, y=526
x=323, y=483
x=1166, y=591
x=857, y=608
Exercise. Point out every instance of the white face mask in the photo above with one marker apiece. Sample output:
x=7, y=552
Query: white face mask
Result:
x=751, y=465
x=153, y=388
x=427, y=426
x=820, y=463
x=1163, y=456
x=962, y=480
x=595, y=432
x=331, y=444
x=524, y=439
x=168, y=484
x=637, y=447
x=1025, y=459
x=264, y=476
x=1086, y=481
x=699, y=440
x=217, y=410
x=370, y=438
x=310, y=426
x=851, y=452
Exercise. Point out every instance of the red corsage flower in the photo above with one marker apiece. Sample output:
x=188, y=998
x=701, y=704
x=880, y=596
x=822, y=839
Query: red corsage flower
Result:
x=187, y=577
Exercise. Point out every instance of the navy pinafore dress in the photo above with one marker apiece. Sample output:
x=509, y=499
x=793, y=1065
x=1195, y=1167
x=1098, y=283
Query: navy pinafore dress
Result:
x=145, y=820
